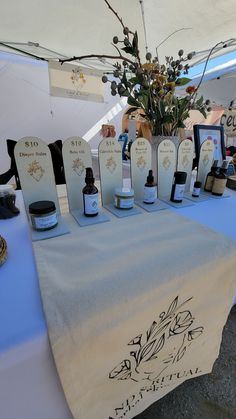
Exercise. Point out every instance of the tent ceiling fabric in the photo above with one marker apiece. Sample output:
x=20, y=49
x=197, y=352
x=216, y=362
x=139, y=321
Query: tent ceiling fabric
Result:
x=85, y=27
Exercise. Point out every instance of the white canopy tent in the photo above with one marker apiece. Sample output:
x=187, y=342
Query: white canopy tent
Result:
x=76, y=28
x=87, y=27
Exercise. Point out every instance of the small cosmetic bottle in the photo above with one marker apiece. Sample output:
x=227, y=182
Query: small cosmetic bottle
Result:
x=196, y=189
x=220, y=180
x=90, y=195
x=211, y=176
x=150, y=190
x=178, y=187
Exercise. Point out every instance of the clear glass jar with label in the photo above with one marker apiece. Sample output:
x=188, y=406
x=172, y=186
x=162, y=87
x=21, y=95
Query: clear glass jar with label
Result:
x=43, y=215
x=124, y=198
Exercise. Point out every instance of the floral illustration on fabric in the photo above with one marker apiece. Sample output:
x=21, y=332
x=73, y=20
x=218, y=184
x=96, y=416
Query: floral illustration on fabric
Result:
x=77, y=78
x=165, y=343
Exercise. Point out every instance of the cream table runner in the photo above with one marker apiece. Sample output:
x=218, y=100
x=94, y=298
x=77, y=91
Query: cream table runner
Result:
x=134, y=307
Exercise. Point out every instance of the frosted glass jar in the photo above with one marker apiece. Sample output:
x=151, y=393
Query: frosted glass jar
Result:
x=124, y=198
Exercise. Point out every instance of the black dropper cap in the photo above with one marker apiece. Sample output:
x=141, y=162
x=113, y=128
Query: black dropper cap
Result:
x=215, y=165
x=89, y=175
x=150, y=177
x=224, y=166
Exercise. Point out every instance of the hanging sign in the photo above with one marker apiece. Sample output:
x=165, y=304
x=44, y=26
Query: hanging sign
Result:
x=141, y=161
x=205, y=160
x=34, y=164
x=166, y=166
x=75, y=82
x=185, y=160
x=76, y=156
x=110, y=164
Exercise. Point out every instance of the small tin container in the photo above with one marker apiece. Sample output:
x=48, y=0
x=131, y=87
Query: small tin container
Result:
x=124, y=198
x=43, y=215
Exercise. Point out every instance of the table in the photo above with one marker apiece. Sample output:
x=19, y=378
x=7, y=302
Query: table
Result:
x=24, y=348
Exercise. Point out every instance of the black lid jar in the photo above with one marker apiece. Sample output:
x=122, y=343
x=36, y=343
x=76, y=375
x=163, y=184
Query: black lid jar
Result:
x=43, y=215
x=178, y=186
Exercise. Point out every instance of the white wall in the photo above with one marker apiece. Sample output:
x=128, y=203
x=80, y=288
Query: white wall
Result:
x=27, y=109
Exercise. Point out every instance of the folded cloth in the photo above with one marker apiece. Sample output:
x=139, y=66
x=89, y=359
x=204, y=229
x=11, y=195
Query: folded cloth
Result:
x=134, y=307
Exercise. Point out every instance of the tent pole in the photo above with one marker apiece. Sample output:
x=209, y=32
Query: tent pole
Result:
x=23, y=52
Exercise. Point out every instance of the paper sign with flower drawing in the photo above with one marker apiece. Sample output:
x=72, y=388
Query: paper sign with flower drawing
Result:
x=78, y=166
x=77, y=78
x=141, y=163
x=205, y=160
x=166, y=163
x=185, y=161
x=35, y=170
x=111, y=164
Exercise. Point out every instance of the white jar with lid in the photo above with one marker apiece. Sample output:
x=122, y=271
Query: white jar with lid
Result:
x=124, y=198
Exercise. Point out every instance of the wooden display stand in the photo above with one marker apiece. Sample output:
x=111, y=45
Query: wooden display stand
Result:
x=141, y=161
x=166, y=166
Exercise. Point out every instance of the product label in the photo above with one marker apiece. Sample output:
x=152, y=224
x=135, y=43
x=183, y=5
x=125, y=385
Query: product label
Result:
x=45, y=222
x=219, y=186
x=196, y=191
x=209, y=183
x=150, y=194
x=179, y=192
x=124, y=203
x=91, y=204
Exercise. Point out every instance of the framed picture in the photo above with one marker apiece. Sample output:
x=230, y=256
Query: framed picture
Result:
x=210, y=132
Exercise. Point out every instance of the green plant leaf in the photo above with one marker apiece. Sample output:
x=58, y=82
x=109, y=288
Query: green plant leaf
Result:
x=133, y=102
x=130, y=110
x=134, y=80
x=135, y=43
x=128, y=50
x=199, y=101
x=183, y=80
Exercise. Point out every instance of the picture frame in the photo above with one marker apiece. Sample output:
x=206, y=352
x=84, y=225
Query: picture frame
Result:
x=206, y=132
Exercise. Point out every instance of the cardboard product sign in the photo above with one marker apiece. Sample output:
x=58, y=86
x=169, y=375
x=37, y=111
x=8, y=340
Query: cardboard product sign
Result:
x=34, y=164
x=76, y=156
x=205, y=160
x=166, y=166
x=141, y=161
x=110, y=164
x=185, y=160
x=228, y=121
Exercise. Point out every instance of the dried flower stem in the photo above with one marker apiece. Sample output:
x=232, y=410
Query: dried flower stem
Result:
x=81, y=57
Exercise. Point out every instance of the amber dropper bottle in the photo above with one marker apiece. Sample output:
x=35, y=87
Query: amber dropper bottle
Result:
x=211, y=176
x=90, y=195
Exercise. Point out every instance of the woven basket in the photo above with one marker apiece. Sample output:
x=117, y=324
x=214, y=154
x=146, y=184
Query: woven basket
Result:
x=3, y=250
x=231, y=182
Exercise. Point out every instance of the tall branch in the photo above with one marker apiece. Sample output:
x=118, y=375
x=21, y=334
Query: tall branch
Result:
x=113, y=57
x=116, y=14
